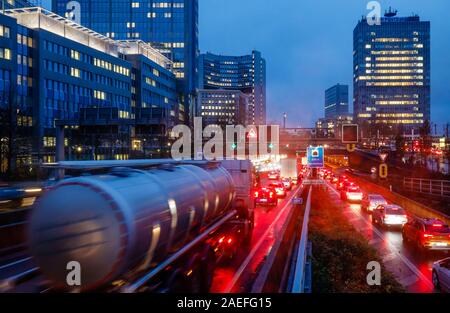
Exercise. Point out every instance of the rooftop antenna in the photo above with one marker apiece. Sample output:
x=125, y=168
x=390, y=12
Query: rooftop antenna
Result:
x=390, y=13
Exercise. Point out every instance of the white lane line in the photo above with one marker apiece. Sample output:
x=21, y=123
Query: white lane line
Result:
x=409, y=280
x=391, y=246
x=258, y=245
x=375, y=241
x=14, y=263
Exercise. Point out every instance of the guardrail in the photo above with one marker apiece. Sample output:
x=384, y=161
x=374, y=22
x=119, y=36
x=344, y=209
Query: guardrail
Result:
x=432, y=187
x=302, y=263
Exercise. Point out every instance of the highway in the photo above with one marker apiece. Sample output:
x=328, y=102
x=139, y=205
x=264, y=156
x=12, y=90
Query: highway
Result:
x=411, y=267
x=240, y=275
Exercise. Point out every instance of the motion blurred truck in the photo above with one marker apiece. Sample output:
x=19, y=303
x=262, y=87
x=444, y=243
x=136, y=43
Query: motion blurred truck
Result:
x=289, y=168
x=142, y=225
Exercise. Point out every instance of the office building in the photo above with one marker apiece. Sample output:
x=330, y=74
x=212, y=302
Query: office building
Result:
x=55, y=73
x=331, y=127
x=13, y=4
x=391, y=74
x=170, y=26
x=336, y=101
x=245, y=73
x=223, y=107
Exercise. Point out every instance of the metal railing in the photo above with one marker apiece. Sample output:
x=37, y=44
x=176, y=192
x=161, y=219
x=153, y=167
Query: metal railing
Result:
x=302, y=264
x=432, y=187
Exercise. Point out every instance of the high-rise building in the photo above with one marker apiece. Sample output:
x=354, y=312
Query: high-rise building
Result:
x=13, y=4
x=245, y=73
x=336, y=101
x=115, y=99
x=392, y=73
x=170, y=26
x=223, y=107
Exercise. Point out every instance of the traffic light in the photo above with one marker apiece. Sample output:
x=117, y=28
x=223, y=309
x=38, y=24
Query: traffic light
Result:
x=271, y=146
x=350, y=133
x=383, y=170
x=233, y=146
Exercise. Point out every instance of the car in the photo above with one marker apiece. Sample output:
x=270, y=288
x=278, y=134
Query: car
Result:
x=274, y=175
x=279, y=189
x=287, y=183
x=387, y=215
x=371, y=201
x=351, y=193
x=343, y=180
x=441, y=275
x=265, y=196
x=427, y=233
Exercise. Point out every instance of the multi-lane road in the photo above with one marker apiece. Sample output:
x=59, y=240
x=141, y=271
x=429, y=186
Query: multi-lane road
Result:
x=240, y=276
x=411, y=267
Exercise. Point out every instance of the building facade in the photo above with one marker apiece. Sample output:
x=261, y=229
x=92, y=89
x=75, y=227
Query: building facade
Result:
x=55, y=73
x=391, y=74
x=245, y=73
x=170, y=26
x=13, y=4
x=223, y=107
x=332, y=127
x=336, y=101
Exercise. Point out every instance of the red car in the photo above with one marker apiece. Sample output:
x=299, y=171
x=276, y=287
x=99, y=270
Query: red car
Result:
x=427, y=233
x=265, y=196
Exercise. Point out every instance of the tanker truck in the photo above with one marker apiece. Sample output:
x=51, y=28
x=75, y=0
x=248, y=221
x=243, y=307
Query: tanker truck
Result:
x=142, y=225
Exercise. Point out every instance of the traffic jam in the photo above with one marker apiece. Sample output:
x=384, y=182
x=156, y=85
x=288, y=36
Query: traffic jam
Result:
x=427, y=237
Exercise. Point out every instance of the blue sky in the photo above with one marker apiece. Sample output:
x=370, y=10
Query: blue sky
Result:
x=308, y=47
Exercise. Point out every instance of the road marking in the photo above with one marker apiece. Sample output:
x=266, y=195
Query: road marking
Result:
x=404, y=259
x=14, y=263
x=409, y=280
x=258, y=245
x=375, y=241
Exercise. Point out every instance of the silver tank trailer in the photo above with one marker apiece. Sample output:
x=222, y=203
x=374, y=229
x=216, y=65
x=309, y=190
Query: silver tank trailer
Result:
x=128, y=219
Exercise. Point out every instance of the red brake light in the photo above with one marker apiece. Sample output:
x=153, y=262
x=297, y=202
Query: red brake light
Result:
x=256, y=194
x=271, y=194
x=230, y=240
x=426, y=235
x=437, y=225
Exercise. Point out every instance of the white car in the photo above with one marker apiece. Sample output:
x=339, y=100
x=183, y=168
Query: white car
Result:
x=441, y=275
x=371, y=201
x=389, y=215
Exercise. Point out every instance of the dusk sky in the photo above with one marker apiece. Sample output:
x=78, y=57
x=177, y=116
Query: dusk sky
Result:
x=308, y=47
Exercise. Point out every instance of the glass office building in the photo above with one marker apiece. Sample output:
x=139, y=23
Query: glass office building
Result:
x=223, y=107
x=245, y=73
x=336, y=101
x=392, y=73
x=171, y=26
x=57, y=74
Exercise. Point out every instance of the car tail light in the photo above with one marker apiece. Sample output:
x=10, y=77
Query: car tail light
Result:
x=256, y=194
x=271, y=195
x=427, y=235
x=437, y=225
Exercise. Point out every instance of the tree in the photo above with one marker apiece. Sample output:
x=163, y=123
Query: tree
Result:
x=425, y=139
x=400, y=142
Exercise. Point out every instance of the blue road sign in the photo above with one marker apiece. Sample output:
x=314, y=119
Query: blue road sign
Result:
x=315, y=157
